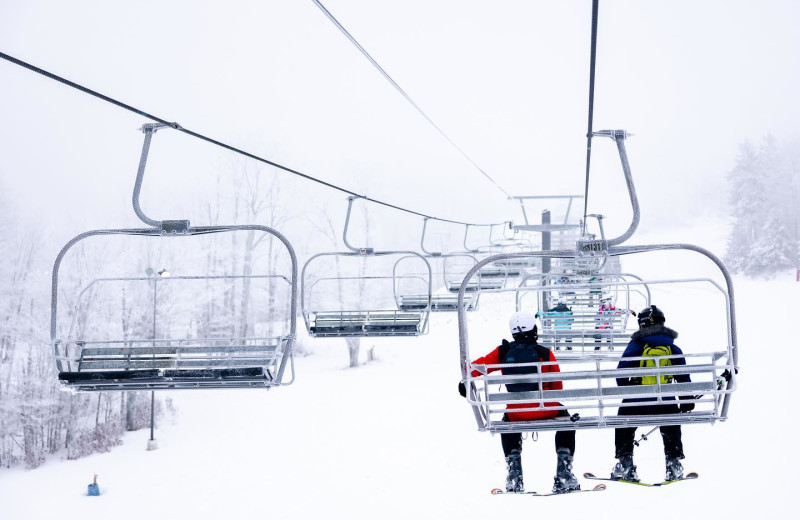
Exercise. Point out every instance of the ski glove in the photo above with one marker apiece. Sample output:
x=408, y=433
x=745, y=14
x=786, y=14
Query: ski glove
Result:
x=462, y=389
x=687, y=407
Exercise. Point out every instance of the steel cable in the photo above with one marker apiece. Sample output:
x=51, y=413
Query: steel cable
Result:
x=405, y=95
x=592, y=61
x=231, y=148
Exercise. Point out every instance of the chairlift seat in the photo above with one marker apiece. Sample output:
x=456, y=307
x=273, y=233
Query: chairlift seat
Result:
x=439, y=302
x=500, y=272
x=473, y=285
x=251, y=377
x=366, y=323
x=515, y=262
x=595, y=397
x=170, y=364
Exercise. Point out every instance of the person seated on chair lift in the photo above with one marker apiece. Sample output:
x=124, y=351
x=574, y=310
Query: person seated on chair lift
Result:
x=525, y=349
x=652, y=339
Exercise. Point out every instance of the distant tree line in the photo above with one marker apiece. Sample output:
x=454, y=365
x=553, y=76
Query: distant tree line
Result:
x=764, y=189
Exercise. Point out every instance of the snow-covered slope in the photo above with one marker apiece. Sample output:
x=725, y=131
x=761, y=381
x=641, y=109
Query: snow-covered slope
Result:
x=393, y=439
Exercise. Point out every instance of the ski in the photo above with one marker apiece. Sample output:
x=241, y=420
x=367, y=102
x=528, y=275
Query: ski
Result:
x=598, y=487
x=498, y=491
x=689, y=476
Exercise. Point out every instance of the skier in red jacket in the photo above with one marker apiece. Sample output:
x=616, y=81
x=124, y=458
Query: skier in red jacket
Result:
x=525, y=349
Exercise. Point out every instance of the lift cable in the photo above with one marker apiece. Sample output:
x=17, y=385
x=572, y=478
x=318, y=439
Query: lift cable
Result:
x=591, y=110
x=404, y=94
x=202, y=137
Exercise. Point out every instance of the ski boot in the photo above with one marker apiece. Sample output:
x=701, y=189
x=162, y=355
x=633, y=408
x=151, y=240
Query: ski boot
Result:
x=674, y=469
x=514, y=478
x=625, y=470
x=565, y=481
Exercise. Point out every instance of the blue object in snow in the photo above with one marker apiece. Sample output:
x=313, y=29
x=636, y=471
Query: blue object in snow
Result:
x=94, y=490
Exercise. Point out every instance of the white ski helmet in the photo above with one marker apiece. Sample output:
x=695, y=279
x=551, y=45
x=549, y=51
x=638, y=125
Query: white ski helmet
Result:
x=521, y=322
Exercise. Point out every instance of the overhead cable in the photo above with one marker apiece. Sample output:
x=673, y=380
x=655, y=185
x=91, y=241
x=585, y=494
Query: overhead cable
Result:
x=591, y=109
x=404, y=94
x=207, y=139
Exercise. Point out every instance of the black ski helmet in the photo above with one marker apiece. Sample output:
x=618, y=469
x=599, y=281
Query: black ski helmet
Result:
x=651, y=316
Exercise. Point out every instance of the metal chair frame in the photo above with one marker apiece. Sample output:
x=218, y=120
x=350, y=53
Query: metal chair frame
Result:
x=328, y=323
x=584, y=372
x=171, y=363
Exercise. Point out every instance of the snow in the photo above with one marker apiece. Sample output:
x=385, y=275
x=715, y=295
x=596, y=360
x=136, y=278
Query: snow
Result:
x=393, y=439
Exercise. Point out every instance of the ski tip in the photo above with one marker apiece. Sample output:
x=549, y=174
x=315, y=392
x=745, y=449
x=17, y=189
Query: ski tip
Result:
x=588, y=475
x=497, y=491
x=599, y=487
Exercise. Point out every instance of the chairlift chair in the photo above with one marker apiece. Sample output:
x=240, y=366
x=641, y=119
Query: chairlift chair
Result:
x=153, y=357
x=441, y=300
x=491, y=276
x=588, y=375
x=352, y=312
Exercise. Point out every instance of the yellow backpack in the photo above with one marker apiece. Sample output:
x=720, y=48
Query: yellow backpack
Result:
x=653, y=352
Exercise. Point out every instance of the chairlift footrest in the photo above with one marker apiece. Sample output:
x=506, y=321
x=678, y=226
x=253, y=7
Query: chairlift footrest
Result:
x=227, y=373
x=107, y=376
x=247, y=377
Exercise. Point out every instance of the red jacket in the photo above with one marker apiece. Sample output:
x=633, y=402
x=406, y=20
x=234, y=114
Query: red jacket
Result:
x=493, y=358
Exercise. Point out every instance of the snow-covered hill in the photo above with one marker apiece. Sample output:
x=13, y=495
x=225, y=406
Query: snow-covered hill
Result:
x=393, y=439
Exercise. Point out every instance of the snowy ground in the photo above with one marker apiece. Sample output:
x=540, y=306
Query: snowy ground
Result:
x=393, y=439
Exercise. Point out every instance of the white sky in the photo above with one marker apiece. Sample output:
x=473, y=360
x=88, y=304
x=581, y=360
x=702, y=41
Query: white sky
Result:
x=507, y=80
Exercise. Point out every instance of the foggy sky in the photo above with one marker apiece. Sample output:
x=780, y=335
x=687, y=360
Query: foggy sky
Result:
x=506, y=80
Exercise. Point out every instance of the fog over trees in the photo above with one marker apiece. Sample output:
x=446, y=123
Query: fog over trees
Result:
x=764, y=188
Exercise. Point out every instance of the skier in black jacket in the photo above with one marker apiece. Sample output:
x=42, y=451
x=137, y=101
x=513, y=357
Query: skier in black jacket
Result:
x=652, y=339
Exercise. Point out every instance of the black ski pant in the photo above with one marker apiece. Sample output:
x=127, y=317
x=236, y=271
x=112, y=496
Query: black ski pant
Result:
x=671, y=435
x=564, y=439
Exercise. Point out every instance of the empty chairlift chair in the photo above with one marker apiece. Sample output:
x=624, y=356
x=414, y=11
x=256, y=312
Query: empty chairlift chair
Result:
x=494, y=275
x=408, y=299
x=442, y=299
x=174, y=325
x=354, y=294
x=516, y=266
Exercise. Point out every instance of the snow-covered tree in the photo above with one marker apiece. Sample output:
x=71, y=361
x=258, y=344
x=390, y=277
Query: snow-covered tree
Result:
x=763, y=184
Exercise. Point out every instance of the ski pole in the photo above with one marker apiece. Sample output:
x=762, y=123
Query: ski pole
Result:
x=644, y=436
